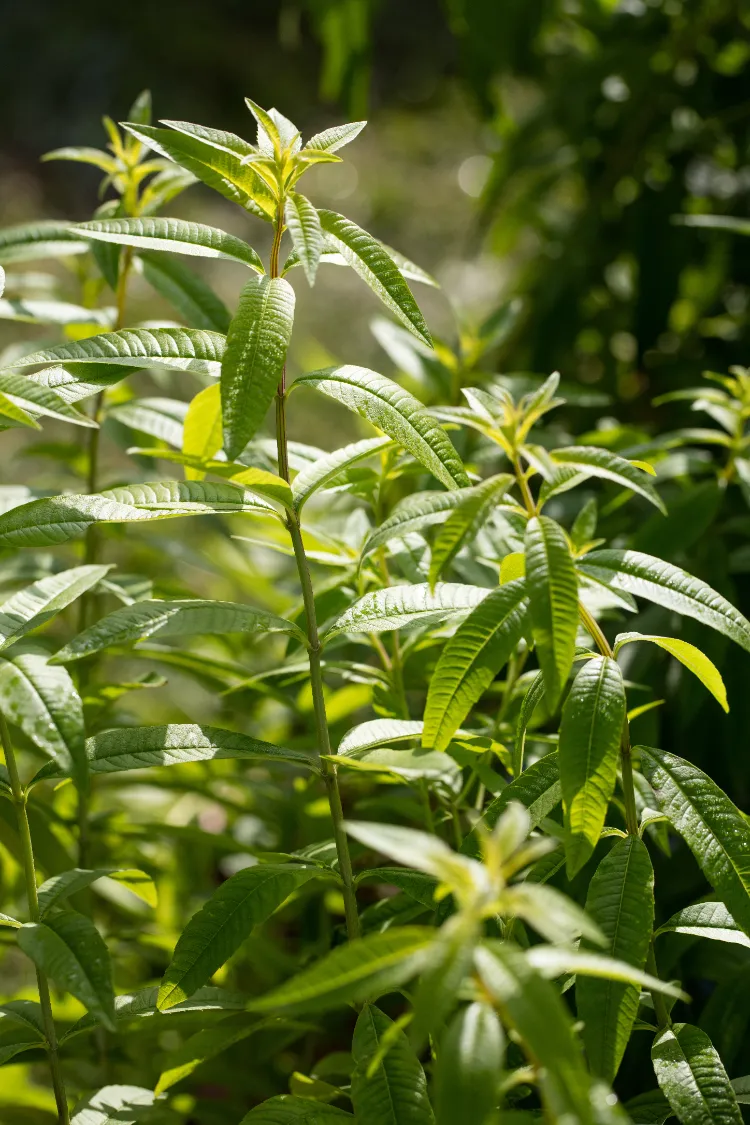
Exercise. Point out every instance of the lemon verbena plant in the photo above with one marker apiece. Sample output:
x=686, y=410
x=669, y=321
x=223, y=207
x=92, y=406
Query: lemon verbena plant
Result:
x=404, y=873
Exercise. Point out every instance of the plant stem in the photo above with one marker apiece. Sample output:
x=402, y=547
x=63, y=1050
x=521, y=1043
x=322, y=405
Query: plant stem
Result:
x=27, y=856
x=660, y=1006
x=328, y=768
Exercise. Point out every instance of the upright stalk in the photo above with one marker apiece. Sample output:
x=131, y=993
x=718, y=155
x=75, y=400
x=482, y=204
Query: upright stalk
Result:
x=328, y=768
x=27, y=858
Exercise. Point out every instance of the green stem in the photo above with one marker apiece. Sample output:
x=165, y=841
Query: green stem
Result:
x=29, y=871
x=660, y=1007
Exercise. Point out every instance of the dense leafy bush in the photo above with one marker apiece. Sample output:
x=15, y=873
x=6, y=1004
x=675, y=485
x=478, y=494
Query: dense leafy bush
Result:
x=391, y=857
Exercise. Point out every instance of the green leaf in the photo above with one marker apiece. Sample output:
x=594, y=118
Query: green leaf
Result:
x=394, y=411
x=690, y=1074
x=531, y=700
x=178, y=618
x=221, y=168
x=31, y=311
x=537, y=789
x=84, y=155
x=201, y=431
x=45, y=522
x=415, y=884
x=465, y=521
x=438, y=770
x=219, y=928
x=553, y=595
x=161, y=418
x=590, y=735
x=37, y=604
x=376, y=267
x=621, y=901
x=189, y=294
x=42, y=700
x=289, y=1110
x=412, y=515
x=174, y=235
x=361, y=970
x=69, y=949
x=254, y=358
x=207, y=1044
x=534, y=1008
x=304, y=226
x=692, y=657
x=591, y=461
x=21, y=1028
x=49, y=239
x=712, y=827
x=68, y=883
x=326, y=469
x=115, y=1105
x=469, y=1065
x=471, y=659
x=554, y=961
x=395, y=607
x=668, y=586
x=330, y=140
x=138, y=748
x=174, y=349
x=388, y=1083
x=379, y=732
x=708, y=920
x=27, y=395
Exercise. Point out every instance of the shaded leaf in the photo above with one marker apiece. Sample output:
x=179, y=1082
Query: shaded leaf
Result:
x=69, y=949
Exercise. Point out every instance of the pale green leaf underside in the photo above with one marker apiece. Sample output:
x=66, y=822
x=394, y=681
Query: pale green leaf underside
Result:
x=180, y=349
x=708, y=920
x=175, y=235
x=31, y=607
x=321, y=472
x=396, y=607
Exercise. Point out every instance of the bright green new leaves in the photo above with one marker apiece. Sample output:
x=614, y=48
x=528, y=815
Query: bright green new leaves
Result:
x=708, y=920
x=590, y=737
x=692, y=657
x=201, y=431
x=178, y=618
x=42, y=523
x=469, y=1065
x=471, y=659
x=465, y=521
x=396, y=607
x=42, y=700
x=593, y=462
x=174, y=349
x=621, y=901
x=289, y=1110
x=222, y=924
x=33, y=606
x=388, y=1082
x=175, y=235
x=330, y=140
x=303, y=223
x=668, y=586
x=137, y=748
x=68, y=883
x=254, y=359
x=553, y=594
x=68, y=948
x=691, y=1075
x=712, y=827
x=361, y=970
x=376, y=267
x=394, y=411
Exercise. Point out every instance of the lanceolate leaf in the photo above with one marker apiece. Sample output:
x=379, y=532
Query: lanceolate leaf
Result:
x=201, y=431
x=68, y=883
x=167, y=618
x=398, y=606
x=42, y=523
x=175, y=235
x=692, y=1077
x=321, y=472
x=393, y=410
x=50, y=239
x=471, y=659
x=219, y=928
x=412, y=515
x=114, y=1105
x=210, y=1042
x=553, y=594
x=537, y=789
x=254, y=359
x=668, y=586
x=465, y=521
x=621, y=902
x=469, y=1062
x=304, y=226
x=137, y=748
x=31, y=311
x=590, y=737
x=712, y=827
x=379, y=732
x=70, y=950
x=593, y=462
x=376, y=267
x=533, y=696
x=330, y=140
x=43, y=702
x=361, y=970
x=27, y=395
x=690, y=656
x=388, y=1083
x=188, y=293
x=31, y=607
x=178, y=349
x=708, y=920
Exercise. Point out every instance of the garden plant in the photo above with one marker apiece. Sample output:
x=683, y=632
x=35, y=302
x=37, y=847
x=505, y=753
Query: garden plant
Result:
x=416, y=867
